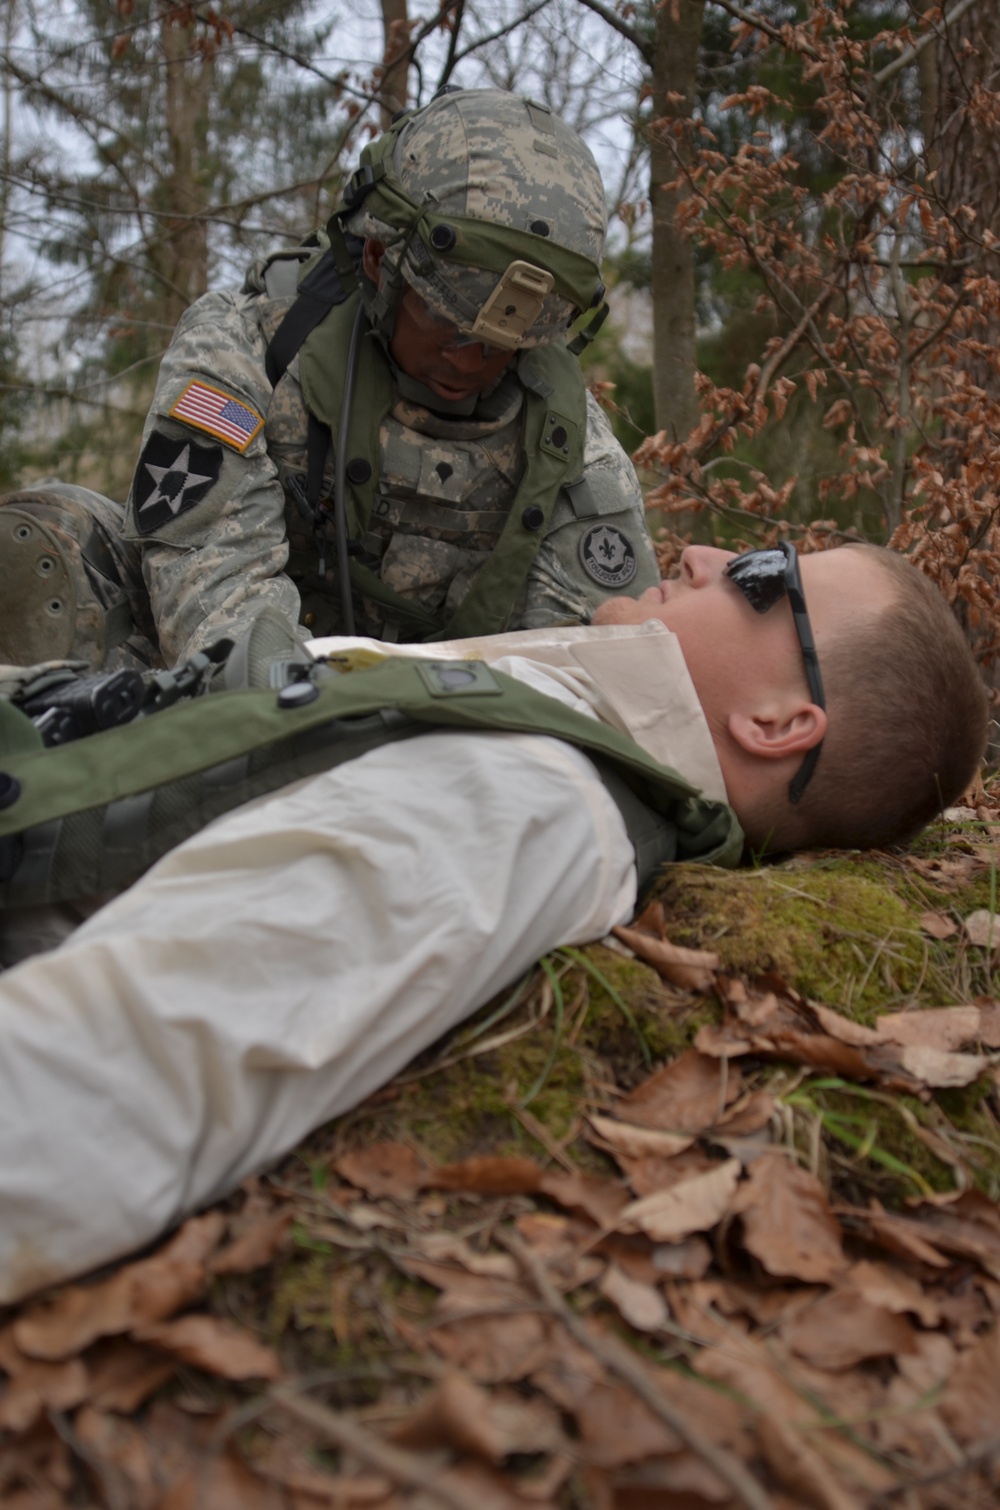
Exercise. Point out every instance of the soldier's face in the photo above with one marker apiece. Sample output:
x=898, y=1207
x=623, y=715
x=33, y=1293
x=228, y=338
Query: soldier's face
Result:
x=432, y=350
x=437, y=354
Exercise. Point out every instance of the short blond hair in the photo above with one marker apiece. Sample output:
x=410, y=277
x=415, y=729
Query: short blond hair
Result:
x=907, y=728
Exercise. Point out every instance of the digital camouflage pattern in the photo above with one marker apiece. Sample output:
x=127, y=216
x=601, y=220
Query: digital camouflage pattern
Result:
x=72, y=587
x=215, y=522
x=492, y=156
x=228, y=546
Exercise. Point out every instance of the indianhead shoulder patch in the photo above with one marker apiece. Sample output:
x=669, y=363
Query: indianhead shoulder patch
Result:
x=228, y=419
x=171, y=478
x=608, y=556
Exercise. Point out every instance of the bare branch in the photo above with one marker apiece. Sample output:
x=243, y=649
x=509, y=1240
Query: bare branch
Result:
x=936, y=29
x=642, y=44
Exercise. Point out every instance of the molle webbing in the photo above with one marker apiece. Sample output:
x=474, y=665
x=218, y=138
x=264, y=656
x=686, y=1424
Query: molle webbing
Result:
x=555, y=424
x=91, y=815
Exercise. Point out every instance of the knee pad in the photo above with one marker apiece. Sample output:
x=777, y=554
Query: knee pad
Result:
x=64, y=595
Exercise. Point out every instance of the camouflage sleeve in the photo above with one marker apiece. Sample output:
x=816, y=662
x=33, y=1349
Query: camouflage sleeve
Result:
x=598, y=545
x=206, y=507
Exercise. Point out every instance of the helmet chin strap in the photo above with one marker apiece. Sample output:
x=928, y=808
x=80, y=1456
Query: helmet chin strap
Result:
x=381, y=304
x=417, y=392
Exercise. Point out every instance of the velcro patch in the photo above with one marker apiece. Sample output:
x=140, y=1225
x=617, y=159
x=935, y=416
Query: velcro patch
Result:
x=608, y=556
x=225, y=417
x=172, y=477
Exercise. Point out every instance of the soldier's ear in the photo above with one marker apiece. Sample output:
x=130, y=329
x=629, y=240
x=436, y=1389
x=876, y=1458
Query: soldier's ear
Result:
x=371, y=258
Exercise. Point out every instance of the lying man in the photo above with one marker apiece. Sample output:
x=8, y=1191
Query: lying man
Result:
x=289, y=959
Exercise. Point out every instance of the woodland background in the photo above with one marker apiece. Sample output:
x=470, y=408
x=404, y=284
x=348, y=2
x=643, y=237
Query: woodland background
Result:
x=805, y=218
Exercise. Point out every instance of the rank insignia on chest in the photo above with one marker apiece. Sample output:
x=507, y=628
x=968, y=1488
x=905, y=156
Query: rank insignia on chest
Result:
x=172, y=477
x=608, y=556
x=225, y=417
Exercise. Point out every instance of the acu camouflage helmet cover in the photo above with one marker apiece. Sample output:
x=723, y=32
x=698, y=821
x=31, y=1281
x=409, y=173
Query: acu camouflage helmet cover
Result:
x=492, y=208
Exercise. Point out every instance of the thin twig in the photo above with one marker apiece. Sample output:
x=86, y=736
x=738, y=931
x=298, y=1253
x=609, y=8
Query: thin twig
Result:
x=407, y=1468
x=937, y=29
x=618, y=1360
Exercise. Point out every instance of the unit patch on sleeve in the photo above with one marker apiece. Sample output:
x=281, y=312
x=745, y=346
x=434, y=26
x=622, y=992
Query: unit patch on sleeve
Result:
x=171, y=477
x=223, y=416
x=608, y=556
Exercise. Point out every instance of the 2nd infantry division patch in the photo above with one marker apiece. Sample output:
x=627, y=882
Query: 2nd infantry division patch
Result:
x=172, y=476
x=608, y=556
x=225, y=417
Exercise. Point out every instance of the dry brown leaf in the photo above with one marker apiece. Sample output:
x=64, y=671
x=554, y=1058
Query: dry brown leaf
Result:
x=494, y=1349
x=842, y=1329
x=688, y=1095
x=256, y=1246
x=967, y=1224
x=695, y=1205
x=382, y=1169
x=897, y=1234
x=938, y=924
x=613, y=1425
x=982, y=929
x=139, y=1293
x=691, y=969
x=940, y=1070
x=800, y=1468
x=444, y=1246
x=687, y=1260
x=637, y=1142
x=844, y=1029
x=461, y=1415
x=222, y=1482
x=888, y=1286
x=219, y=1347
x=971, y=1401
x=38, y=1387
x=486, y=1176
x=647, y=1176
x=946, y=1028
x=123, y=1375
x=787, y=1222
x=748, y=1115
x=641, y=1305
x=790, y=1422
x=601, y=1200
x=119, y=1449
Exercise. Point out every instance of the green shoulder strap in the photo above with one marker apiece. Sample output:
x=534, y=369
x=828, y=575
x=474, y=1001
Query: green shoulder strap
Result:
x=79, y=818
x=554, y=432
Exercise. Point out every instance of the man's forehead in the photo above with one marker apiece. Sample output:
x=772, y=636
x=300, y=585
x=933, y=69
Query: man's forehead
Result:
x=840, y=584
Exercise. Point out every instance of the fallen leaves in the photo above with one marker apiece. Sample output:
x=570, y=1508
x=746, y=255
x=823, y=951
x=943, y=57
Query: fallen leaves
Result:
x=484, y=1304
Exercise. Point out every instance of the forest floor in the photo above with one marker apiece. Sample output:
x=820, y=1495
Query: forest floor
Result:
x=701, y=1216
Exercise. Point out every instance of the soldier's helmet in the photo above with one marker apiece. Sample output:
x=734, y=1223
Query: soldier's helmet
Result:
x=492, y=208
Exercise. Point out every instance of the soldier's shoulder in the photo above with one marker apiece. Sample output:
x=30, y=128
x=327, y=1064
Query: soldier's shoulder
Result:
x=600, y=441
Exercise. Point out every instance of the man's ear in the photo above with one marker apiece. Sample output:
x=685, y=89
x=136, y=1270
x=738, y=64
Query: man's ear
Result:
x=783, y=734
x=371, y=258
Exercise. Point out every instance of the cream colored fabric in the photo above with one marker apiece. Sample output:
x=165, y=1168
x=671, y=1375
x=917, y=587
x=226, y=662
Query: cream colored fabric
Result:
x=281, y=965
x=632, y=676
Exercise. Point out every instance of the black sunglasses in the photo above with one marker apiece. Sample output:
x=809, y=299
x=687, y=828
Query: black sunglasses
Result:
x=764, y=577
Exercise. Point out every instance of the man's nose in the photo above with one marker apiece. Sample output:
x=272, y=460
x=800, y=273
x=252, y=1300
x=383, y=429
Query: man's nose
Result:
x=704, y=564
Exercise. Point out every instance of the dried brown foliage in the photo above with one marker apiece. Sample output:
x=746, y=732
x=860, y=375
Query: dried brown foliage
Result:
x=880, y=276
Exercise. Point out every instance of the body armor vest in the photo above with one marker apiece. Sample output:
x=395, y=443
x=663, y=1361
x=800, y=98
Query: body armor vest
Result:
x=80, y=818
x=498, y=534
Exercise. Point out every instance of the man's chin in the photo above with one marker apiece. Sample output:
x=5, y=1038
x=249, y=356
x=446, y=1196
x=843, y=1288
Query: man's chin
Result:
x=618, y=611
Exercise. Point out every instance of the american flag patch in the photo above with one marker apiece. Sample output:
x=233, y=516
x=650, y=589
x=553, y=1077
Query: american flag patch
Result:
x=219, y=413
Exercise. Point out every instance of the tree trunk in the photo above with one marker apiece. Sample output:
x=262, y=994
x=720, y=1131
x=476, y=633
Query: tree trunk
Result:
x=182, y=253
x=395, y=88
x=675, y=65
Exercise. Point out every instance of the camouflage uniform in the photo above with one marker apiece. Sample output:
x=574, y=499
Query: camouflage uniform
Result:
x=216, y=506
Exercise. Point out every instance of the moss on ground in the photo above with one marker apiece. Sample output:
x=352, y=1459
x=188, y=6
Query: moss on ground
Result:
x=844, y=930
x=518, y=1077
